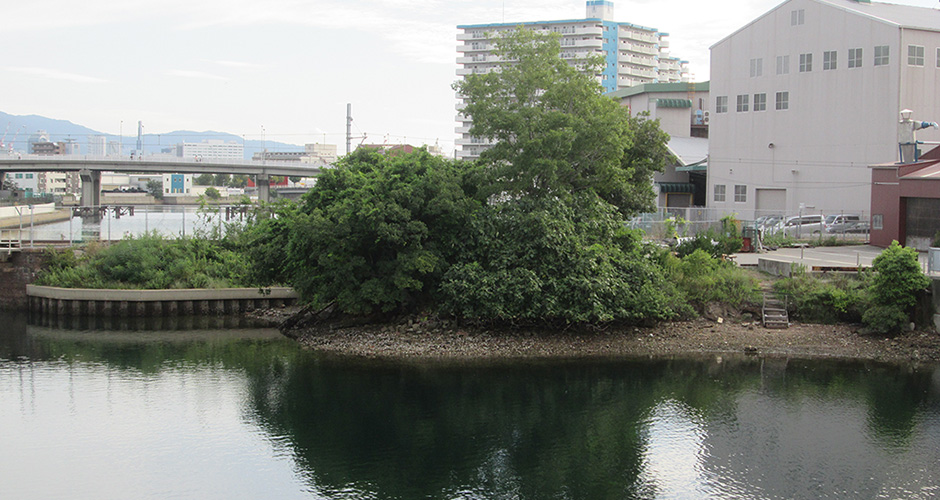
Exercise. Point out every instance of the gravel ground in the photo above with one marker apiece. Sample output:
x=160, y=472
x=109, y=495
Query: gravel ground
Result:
x=415, y=341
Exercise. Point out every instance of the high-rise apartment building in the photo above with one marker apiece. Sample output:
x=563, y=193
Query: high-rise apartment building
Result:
x=633, y=54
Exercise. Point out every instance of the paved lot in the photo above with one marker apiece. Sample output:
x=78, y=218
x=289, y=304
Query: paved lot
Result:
x=847, y=256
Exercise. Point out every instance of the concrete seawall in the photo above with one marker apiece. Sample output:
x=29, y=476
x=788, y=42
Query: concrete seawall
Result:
x=54, y=301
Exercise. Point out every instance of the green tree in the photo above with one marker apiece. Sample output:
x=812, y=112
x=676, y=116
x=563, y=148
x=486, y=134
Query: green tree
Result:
x=204, y=180
x=221, y=180
x=155, y=188
x=377, y=232
x=897, y=281
x=213, y=193
x=558, y=135
x=237, y=181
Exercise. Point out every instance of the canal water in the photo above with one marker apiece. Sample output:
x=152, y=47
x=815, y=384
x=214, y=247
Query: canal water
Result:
x=213, y=408
x=171, y=221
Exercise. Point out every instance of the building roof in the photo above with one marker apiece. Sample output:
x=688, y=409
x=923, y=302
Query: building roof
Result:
x=929, y=173
x=688, y=150
x=902, y=16
x=649, y=88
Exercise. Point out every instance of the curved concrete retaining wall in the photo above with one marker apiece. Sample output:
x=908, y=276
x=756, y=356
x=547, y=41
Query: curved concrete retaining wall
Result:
x=49, y=300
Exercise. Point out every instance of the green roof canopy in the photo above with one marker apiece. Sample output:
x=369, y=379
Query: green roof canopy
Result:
x=673, y=103
x=676, y=187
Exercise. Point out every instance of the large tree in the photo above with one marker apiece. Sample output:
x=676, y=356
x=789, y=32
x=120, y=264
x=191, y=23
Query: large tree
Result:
x=558, y=135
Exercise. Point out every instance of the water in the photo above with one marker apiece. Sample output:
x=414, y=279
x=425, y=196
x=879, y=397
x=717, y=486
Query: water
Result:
x=169, y=220
x=242, y=413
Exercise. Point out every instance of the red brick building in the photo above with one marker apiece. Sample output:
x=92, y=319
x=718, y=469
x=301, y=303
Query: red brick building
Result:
x=905, y=202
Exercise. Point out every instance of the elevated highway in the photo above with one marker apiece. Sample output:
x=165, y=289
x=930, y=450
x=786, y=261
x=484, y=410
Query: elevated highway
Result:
x=90, y=168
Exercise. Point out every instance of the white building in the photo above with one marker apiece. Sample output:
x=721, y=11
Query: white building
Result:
x=178, y=184
x=211, y=150
x=680, y=109
x=97, y=145
x=634, y=55
x=807, y=96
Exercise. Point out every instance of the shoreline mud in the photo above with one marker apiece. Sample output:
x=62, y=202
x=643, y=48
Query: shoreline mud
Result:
x=415, y=342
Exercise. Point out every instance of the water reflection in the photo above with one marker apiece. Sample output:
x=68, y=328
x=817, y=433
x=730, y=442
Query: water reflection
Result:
x=242, y=413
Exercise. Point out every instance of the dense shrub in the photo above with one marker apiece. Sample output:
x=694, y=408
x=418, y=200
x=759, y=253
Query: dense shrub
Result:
x=702, y=278
x=829, y=300
x=896, y=283
x=148, y=262
x=544, y=260
x=377, y=233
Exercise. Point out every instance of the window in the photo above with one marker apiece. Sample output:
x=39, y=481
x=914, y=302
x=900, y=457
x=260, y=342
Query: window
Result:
x=757, y=67
x=19, y=176
x=783, y=65
x=742, y=102
x=797, y=17
x=938, y=57
x=915, y=55
x=721, y=104
x=855, y=58
x=783, y=100
x=29, y=176
x=877, y=221
x=829, y=59
x=760, y=102
x=806, y=63
x=881, y=55
x=740, y=193
x=719, y=192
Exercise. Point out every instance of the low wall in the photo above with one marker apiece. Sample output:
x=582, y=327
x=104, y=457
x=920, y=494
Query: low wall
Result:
x=15, y=211
x=48, y=300
x=16, y=273
x=775, y=267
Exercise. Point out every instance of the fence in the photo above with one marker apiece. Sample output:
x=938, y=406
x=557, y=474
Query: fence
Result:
x=672, y=223
x=64, y=226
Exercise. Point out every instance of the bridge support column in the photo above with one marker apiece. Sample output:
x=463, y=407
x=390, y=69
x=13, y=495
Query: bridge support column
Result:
x=263, y=182
x=91, y=187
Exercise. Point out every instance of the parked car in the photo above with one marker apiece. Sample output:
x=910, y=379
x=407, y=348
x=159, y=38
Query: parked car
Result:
x=839, y=223
x=802, y=225
x=767, y=221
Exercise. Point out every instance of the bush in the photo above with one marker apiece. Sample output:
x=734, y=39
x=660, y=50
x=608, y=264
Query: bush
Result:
x=549, y=261
x=896, y=283
x=149, y=262
x=377, y=233
x=817, y=300
x=703, y=279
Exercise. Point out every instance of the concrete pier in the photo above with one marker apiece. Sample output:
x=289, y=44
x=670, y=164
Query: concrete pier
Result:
x=54, y=301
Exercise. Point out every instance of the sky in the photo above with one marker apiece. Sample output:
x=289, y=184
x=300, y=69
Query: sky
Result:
x=285, y=70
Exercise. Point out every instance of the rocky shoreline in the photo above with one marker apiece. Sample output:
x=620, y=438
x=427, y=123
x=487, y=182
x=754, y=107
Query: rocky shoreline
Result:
x=419, y=341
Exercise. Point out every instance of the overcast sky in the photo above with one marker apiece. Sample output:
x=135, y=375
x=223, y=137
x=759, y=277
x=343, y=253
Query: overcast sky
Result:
x=288, y=67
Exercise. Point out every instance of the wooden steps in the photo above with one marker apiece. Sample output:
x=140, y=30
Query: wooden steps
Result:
x=774, y=312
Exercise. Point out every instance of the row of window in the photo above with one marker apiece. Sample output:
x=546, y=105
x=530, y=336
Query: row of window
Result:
x=831, y=60
x=743, y=104
x=740, y=193
x=19, y=176
x=882, y=57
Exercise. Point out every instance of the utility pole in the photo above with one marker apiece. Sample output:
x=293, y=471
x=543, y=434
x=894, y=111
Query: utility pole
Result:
x=348, y=127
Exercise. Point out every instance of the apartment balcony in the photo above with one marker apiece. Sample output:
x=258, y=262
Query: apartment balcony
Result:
x=475, y=47
x=469, y=36
x=638, y=36
x=646, y=62
x=639, y=48
x=473, y=141
x=581, y=42
x=463, y=129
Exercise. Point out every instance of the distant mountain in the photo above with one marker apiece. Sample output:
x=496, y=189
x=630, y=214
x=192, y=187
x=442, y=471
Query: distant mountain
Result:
x=21, y=127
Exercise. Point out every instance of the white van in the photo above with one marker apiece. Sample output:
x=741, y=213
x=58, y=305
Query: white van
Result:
x=803, y=225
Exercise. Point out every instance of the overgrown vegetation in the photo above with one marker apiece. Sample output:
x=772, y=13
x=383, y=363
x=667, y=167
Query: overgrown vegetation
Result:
x=883, y=299
x=147, y=262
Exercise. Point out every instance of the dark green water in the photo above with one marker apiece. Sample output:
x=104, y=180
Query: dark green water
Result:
x=226, y=411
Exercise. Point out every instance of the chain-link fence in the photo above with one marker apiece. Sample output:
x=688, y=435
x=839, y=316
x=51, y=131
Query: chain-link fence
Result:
x=669, y=224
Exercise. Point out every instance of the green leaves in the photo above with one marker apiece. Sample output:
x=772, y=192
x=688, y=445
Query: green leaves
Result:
x=558, y=135
x=897, y=281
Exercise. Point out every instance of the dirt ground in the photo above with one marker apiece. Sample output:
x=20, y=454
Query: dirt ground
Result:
x=414, y=340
